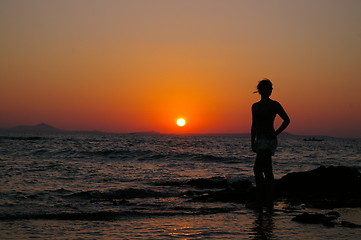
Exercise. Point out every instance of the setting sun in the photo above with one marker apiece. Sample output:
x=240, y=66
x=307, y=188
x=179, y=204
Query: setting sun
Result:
x=181, y=122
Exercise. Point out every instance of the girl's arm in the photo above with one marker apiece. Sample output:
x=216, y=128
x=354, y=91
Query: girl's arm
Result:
x=253, y=132
x=286, y=120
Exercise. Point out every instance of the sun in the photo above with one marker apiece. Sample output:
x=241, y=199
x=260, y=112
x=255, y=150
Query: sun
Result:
x=181, y=122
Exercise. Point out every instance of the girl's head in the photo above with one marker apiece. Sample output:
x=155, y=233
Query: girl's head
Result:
x=264, y=88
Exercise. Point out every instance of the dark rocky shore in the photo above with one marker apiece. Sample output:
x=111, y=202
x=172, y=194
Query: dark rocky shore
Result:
x=323, y=188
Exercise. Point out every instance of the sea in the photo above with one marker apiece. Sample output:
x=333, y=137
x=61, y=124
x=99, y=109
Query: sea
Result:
x=133, y=186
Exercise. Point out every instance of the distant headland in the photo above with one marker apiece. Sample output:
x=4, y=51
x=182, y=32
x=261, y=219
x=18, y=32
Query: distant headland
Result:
x=41, y=128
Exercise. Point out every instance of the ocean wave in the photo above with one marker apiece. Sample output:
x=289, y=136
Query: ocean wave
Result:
x=148, y=155
x=209, y=183
x=116, y=215
x=120, y=213
x=106, y=153
x=71, y=150
x=144, y=156
x=102, y=215
x=82, y=154
x=212, y=158
x=127, y=193
x=24, y=138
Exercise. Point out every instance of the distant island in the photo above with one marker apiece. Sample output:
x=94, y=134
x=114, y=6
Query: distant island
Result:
x=44, y=128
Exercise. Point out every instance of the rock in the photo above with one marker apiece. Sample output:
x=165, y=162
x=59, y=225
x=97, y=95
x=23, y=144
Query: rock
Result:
x=324, y=187
x=350, y=224
x=328, y=219
x=242, y=185
x=329, y=224
x=324, y=179
x=313, y=218
x=201, y=183
x=208, y=183
x=241, y=191
x=333, y=214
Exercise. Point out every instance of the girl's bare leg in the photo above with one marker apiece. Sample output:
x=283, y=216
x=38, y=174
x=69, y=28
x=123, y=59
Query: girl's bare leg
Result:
x=264, y=178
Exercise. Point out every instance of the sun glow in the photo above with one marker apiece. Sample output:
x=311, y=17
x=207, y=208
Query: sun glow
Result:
x=181, y=122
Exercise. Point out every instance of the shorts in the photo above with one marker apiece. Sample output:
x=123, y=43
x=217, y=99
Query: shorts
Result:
x=263, y=144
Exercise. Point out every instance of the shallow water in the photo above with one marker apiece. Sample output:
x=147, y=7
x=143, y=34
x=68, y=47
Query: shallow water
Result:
x=236, y=225
x=113, y=186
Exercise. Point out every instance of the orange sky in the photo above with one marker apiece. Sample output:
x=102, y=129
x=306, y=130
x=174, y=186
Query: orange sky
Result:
x=125, y=66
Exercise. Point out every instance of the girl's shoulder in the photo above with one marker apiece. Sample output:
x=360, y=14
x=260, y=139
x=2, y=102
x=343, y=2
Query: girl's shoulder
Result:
x=275, y=103
x=268, y=104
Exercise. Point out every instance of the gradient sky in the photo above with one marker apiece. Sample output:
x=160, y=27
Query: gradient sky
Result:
x=138, y=65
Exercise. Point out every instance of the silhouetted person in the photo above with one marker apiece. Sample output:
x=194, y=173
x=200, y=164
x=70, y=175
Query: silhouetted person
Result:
x=264, y=142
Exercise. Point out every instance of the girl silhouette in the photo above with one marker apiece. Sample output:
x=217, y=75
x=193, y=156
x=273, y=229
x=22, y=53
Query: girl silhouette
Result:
x=264, y=141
